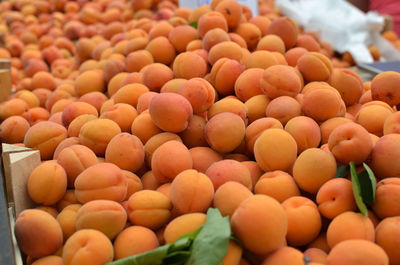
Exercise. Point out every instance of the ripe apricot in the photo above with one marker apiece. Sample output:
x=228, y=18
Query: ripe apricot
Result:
x=262, y=236
x=275, y=149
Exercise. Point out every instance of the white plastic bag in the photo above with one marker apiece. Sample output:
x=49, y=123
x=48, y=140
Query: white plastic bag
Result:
x=342, y=25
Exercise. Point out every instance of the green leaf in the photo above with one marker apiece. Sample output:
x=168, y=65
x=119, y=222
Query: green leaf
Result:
x=193, y=24
x=357, y=190
x=177, y=257
x=342, y=171
x=372, y=179
x=211, y=244
x=366, y=187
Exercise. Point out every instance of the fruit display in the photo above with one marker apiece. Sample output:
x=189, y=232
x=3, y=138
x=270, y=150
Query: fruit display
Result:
x=206, y=136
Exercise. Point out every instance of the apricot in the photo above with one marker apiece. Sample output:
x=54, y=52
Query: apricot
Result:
x=112, y=67
x=172, y=85
x=194, y=134
x=256, y=107
x=278, y=185
x=383, y=87
x=136, y=60
x=66, y=219
x=126, y=151
x=272, y=43
x=191, y=191
x=166, y=170
x=254, y=130
x=47, y=183
x=182, y=225
x=88, y=245
x=156, y=141
x=13, y=129
x=350, y=225
x=96, y=134
x=283, y=108
x=293, y=55
x=213, y=37
x=134, y=183
x=224, y=73
x=348, y=83
x=248, y=84
x=147, y=203
x=228, y=197
x=96, y=99
x=161, y=49
x=314, y=66
x=211, y=20
x=43, y=80
x=136, y=44
x=105, y=216
x=268, y=227
x=386, y=198
x=261, y=59
x=304, y=220
x=308, y=42
x=134, y=240
x=189, y=65
x=275, y=149
x=284, y=255
x=130, y=94
x=357, y=251
x=76, y=109
x=385, y=234
x=38, y=233
x=121, y=113
x=77, y=123
x=181, y=36
x=305, y=131
x=111, y=184
x=89, y=81
x=203, y=158
x=224, y=132
x=286, y=29
x=391, y=124
x=13, y=107
x=322, y=102
x=231, y=105
x=149, y=181
x=199, y=92
x=144, y=128
x=45, y=136
x=233, y=253
x=225, y=49
x=350, y=142
x=335, y=197
x=167, y=107
x=329, y=125
x=310, y=176
x=273, y=85
x=54, y=260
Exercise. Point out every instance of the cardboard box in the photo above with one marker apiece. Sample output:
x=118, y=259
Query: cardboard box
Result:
x=17, y=163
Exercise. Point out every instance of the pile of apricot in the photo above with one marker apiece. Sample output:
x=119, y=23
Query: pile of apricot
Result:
x=146, y=115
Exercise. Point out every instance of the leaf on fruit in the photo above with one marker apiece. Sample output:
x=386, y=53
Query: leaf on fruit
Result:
x=211, y=244
x=372, y=180
x=357, y=190
x=342, y=171
x=193, y=24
